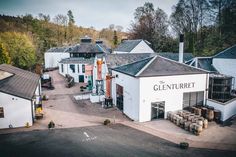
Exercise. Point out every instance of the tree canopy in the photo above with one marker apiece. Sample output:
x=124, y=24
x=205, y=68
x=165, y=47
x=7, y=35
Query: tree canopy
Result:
x=208, y=25
x=152, y=25
x=4, y=55
x=21, y=49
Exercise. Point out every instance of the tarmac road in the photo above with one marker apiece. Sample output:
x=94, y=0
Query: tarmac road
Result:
x=95, y=141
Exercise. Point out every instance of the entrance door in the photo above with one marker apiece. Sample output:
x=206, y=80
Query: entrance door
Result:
x=119, y=97
x=81, y=78
x=158, y=110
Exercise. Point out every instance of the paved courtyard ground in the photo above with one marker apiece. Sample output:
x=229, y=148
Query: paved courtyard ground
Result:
x=96, y=141
x=215, y=136
x=66, y=112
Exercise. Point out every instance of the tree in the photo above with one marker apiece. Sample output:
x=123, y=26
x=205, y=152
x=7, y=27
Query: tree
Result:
x=119, y=28
x=61, y=21
x=4, y=56
x=70, y=25
x=115, y=39
x=151, y=25
x=188, y=17
x=20, y=48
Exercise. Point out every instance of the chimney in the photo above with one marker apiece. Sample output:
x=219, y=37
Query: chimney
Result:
x=99, y=42
x=181, y=47
x=99, y=69
x=86, y=40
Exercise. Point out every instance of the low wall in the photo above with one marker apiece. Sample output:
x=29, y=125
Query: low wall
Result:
x=228, y=109
x=96, y=98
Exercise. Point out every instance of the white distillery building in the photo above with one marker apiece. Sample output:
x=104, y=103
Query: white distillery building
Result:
x=79, y=68
x=222, y=80
x=110, y=61
x=20, y=93
x=134, y=46
x=149, y=88
x=54, y=55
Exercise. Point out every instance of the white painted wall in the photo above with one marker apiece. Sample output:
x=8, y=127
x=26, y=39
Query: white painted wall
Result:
x=228, y=109
x=226, y=66
x=51, y=59
x=173, y=98
x=17, y=111
x=130, y=92
x=76, y=74
x=142, y=47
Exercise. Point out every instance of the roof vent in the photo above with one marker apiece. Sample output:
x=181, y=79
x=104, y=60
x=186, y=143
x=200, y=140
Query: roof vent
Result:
x=86, y=39
x=99, y=42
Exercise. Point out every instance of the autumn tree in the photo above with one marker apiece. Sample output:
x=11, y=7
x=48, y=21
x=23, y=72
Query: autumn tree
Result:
x=4, y=56
x=20, y=48
x=61, y=23
x=115, y=39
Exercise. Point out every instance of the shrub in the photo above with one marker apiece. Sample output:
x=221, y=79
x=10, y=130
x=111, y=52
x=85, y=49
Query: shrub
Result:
x=183, y=145
x=106, y=122
x=51, y=124
x=45, y=97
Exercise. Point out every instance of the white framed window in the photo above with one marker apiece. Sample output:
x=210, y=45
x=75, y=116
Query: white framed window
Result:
x=72, y=67
x=1, y=112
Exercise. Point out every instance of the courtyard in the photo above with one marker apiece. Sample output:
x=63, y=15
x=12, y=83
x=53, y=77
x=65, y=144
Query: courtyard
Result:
x=101, y=141
x=67, y=112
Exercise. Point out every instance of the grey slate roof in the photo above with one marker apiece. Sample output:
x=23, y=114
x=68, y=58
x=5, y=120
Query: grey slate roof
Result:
x=129, y=45
x=206, y=64
x=157, y=66
x=175, y=56
x=22, y=84
x=77, y=60
x=229, y=53
x=114, y=60
x=59, y=49
x=87, y=48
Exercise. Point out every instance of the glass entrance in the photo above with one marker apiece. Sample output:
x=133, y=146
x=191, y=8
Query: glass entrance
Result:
x=119, y=97
x=158, y=110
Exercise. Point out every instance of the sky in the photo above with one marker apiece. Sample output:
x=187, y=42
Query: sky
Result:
x=97, y=13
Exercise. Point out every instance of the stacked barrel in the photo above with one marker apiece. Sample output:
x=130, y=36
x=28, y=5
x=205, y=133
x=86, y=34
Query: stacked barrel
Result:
x=188, y=121
x=194, y=120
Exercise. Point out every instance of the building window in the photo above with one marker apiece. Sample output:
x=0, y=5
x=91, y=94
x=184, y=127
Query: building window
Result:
x=72, y=67
x=192, y=99
x=1, y=112
x=62, y=68
x=83, y=68
x=78, y=68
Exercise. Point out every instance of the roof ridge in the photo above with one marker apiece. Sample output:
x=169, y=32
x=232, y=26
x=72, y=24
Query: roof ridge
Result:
x=136, y=61
x=223, y=51
x=150, y=62
x=182, y=63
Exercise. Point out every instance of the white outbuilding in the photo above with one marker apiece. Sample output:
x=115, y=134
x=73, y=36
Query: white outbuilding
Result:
x=20, y=93
x=134, y=46
x=149, y=88
x=222, y=82
x=54, y=55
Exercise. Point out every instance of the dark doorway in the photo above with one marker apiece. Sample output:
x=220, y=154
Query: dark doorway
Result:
x=119, y=97
x=158, y=110
x=81, y=78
